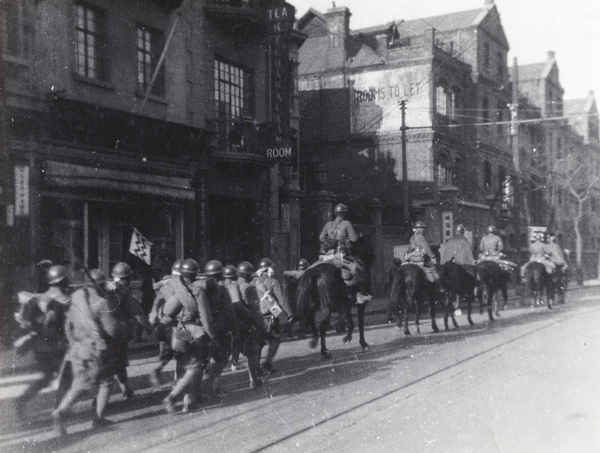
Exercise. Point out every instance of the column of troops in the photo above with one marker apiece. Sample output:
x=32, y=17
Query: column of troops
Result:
x=200, y=319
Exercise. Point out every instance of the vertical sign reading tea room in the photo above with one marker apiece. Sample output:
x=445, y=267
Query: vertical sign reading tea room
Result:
x=281, y=21
x=21, y=190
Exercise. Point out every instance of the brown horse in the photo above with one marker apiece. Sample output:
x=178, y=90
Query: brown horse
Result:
x=321, y=291
x=456, y=281
x=410, y=288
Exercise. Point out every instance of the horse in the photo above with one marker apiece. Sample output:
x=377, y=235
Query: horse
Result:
x=490, y=278
x=409, y=289
x=321, y=291
x=539, y=281
x=456, y=281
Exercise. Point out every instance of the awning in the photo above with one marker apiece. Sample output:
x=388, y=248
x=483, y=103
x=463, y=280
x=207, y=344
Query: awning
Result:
x=75, y=176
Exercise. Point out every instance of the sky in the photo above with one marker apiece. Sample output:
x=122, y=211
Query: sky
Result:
x=570, y=28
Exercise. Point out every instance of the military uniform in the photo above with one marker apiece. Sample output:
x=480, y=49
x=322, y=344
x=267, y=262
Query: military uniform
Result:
x=339, y=230
x=490, y=247
x=538, y=251
x=418, y=240
x=459, y=248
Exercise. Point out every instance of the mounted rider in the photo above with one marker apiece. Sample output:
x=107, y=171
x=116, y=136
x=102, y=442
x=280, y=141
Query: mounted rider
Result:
x=337, y=242
x=539, y=252
x=420, y=253
x=556, y=254
x=491, y=248
x=457, y=249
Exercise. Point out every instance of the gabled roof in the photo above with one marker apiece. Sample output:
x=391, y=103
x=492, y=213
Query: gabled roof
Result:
x=575, y=106
x=309, y=16
x=444, y=22
x=531, y=71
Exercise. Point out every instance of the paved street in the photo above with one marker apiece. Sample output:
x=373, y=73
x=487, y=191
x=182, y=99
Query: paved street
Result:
x=526, y=383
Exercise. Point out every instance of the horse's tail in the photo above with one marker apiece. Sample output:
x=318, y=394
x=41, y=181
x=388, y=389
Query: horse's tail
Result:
x=398, y=289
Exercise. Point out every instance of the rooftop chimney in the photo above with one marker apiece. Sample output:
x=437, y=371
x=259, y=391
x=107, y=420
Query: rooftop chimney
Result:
x=489, y=2
x=338, y=25
x=551, y=55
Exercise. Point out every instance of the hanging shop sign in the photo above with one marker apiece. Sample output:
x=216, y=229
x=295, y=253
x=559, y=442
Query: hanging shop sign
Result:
x=21, y=190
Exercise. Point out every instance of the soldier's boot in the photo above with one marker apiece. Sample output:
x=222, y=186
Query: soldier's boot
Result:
x=271, y=352
x=214, y=375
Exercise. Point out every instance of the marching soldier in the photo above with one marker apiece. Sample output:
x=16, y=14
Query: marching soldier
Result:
x=188, y=311
x=43, y=316
x=225, y=322
x=162, y=331
x=260, y=334
x=230, y=283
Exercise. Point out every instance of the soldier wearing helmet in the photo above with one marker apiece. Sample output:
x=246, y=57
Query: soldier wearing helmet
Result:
x=226, y=325
x=418, y=239
x=274, y=307
x=302, y=265
x=539, y=252
x=162, y=331
x=42, y=316
x=491, y=245
x=457, y=249
x=189, y=308
x=339, y=233
x=253, y=327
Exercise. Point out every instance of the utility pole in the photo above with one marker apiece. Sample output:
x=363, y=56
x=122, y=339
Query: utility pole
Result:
x=514, y=144
x=403, y=129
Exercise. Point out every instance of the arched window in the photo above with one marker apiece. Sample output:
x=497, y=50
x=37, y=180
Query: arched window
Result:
x=454, y=103
x=443, y=171
x=441, y=105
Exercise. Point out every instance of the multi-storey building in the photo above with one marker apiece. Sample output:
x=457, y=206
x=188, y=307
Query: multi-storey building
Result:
x=451, y=72
x=558, y=151
x=176, y=118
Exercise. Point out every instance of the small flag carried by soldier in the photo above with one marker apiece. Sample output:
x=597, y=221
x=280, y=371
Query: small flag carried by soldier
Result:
x=140, y=246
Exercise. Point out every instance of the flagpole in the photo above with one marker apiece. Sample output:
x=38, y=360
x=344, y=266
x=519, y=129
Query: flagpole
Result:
x=159, y=64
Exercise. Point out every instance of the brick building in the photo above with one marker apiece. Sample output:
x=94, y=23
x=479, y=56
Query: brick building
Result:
x=157, y=115
x=558, y=153
x=451, y=71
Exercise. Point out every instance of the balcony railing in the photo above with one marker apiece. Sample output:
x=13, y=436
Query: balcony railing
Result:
x=235, y=137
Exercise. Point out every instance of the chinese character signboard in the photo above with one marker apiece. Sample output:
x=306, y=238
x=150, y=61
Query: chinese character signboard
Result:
x=21, y=190
x=447, y=225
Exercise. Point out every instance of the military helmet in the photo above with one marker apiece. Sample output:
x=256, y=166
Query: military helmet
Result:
x=189, y=267
x=340, y=208
x=419, y=224
x=492, y=229
x=245, y=268
x=213, y=267
x=56, y=274
x=460, y=228
x=302, y=264
x=229, y=271
x=97, y=276
x=265, y=262
x=176, y=268
x=121, y=270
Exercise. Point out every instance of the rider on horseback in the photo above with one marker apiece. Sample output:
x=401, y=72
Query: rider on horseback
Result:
x=491, y=248
x=420, y=253
x=556, y=254
x=457, y=248
x=337, y=240
x=539, y=252
x=338, y=234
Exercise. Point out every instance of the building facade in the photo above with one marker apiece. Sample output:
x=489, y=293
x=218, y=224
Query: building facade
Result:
x=178, y=119
x=451, y=73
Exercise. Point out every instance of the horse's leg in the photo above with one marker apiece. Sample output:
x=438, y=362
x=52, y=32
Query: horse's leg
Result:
x=348, y=313
x=492, y=304
x=315, y=333
x=447, y=311
x=432, y=311
x=361, y=325
x=409, y=303
x=418, y=303
x=470, y=304
x=322, y=332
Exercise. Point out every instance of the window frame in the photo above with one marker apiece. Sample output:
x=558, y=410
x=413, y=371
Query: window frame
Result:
x=93, y=52
x=232, y=82
x=146, y=47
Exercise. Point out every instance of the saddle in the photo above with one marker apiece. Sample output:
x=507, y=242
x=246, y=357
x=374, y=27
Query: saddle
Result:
x=352, y=269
